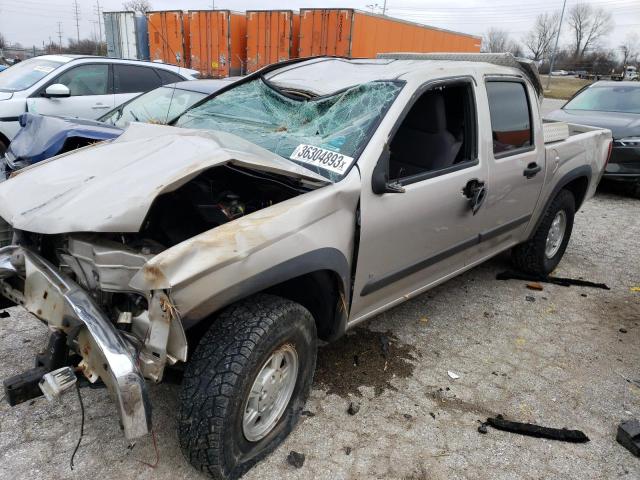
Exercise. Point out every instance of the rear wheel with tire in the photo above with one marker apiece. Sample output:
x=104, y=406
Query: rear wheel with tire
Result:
x=541, y=254
x=246, y=385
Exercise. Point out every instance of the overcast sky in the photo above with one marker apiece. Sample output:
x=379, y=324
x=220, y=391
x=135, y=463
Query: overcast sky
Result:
x=31, y=22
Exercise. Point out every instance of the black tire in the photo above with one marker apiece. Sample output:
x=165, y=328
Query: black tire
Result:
x=221, y=372
x=530, y=256
x=3, y=148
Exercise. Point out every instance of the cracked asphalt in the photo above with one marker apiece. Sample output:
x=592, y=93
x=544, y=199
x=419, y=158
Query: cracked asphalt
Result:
x=560, y=361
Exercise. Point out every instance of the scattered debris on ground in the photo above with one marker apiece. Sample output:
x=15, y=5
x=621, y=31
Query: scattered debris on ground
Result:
x=535, y=286
x=483, y=428
x=353, y=408
x=307, y=413
x=453, y=375
x=358, y=359
x=564, y=282
x=623, y=330
x=530, y=298
x=629, y=436
x=347, y=450
x=532, y=430
x=295, y=459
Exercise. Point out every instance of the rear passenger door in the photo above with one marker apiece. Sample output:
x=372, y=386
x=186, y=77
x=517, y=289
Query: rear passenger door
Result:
x=516, y=164
x=129, y=81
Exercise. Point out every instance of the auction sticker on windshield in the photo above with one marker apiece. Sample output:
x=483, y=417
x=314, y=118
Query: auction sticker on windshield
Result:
x=320, y=157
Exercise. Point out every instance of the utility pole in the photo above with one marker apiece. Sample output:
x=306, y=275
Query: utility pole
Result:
x=384, y=7
x=555, y=48
x=99, y=14
x=60, y=36
x=213, y=4
x=76, y=14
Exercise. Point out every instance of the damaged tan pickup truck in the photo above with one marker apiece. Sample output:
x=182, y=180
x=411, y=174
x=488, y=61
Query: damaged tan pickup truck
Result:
x=287, y=207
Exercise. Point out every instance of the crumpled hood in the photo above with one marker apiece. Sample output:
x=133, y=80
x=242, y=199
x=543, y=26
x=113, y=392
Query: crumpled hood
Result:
x=110, y=187
x=621, y=124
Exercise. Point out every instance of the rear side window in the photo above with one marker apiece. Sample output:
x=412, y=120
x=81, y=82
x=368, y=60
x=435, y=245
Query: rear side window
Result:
x=510, y=117
x=86, y=80
x=169, y=77
x=134, y=79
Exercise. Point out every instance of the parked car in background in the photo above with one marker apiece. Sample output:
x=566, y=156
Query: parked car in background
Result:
x=42, y=137
x=616, y=106
x=3, y=67
x=76, y=86
x=294, y=205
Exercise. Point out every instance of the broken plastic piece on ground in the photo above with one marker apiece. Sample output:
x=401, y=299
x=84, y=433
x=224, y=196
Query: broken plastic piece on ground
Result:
x=535, y=286
x=296, y=459
x=57, y=383
x=532, y=430
x=564, y=282
x=629, y=436
x=453, y=375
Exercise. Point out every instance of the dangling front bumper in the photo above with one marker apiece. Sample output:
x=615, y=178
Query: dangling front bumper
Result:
x=62, y=304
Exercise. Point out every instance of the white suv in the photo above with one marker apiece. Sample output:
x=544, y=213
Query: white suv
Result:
x=76, y=86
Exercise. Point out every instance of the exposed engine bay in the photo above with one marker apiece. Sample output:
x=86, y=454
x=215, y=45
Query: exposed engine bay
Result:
x=104, y=264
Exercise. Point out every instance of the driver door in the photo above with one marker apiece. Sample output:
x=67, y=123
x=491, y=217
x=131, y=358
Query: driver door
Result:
x=91, y=93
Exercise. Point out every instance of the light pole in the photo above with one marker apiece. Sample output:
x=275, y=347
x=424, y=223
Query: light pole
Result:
x=555, y=48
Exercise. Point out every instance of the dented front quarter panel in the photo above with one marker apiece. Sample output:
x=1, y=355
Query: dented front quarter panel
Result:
x=313, y=231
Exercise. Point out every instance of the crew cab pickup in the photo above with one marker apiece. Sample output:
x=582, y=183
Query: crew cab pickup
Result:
x=286, y=207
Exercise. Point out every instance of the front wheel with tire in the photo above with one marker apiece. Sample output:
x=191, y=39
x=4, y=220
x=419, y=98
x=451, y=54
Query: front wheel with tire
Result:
x=246, y=384
x=541, y=254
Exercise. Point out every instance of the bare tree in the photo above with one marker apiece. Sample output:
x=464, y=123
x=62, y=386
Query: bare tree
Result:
x=3, y=42
x=498, y=41
x=140, y=6
x=630, y=49
x=589, y=25
x=495, y=41
x=540, y=38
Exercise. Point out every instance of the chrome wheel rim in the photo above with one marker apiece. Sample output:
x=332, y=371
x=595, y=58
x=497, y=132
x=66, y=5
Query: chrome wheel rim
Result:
x=556, y=234
x=270, y=393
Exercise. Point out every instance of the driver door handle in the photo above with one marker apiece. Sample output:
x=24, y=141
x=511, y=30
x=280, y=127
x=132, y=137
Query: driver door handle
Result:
x=532, y=170
x=99, y=106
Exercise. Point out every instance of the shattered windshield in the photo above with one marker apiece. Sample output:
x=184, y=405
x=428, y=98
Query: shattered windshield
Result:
x=324, y=134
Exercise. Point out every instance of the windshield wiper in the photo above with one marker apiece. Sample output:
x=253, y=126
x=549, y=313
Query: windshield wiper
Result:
x=135, y=117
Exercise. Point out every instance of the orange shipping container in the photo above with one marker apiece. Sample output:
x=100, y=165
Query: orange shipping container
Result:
x=169, y=37
x=218, y=42
x=352, y=33
x=272, y=36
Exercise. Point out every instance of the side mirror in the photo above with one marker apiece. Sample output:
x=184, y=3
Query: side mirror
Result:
x=380, y=178
x=57, y=90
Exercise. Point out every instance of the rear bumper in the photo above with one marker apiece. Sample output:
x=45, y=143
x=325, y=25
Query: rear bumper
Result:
x=61, y=303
